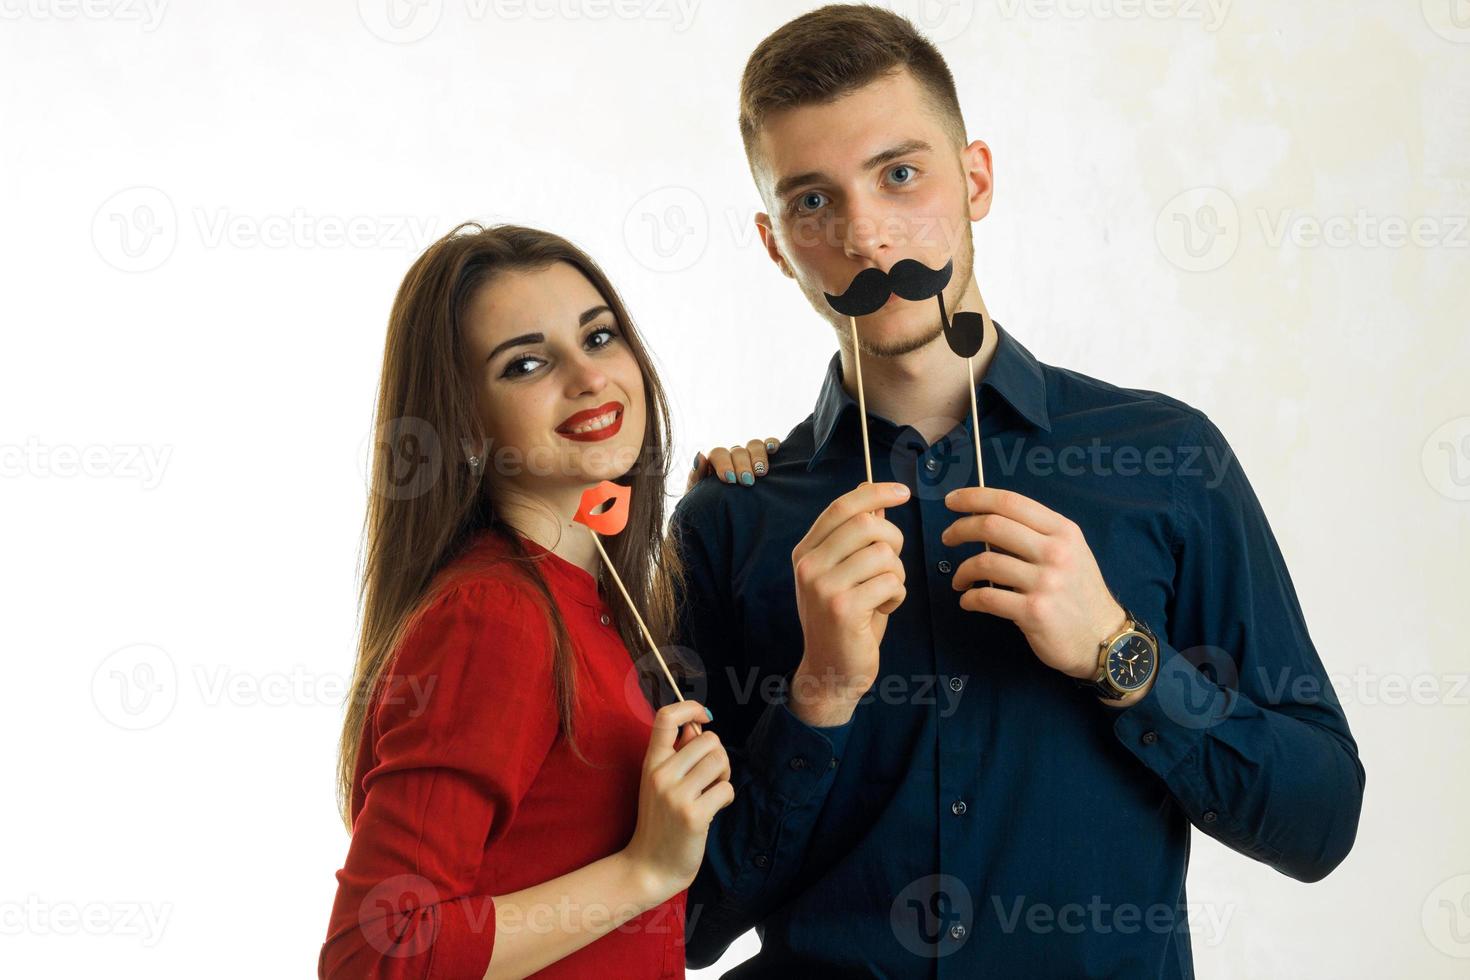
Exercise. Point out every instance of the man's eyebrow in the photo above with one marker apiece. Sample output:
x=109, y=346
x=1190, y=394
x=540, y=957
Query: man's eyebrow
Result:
x=787, y=184
x=584, y=318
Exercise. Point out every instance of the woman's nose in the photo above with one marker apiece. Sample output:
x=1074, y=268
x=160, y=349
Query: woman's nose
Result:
x=586, y=377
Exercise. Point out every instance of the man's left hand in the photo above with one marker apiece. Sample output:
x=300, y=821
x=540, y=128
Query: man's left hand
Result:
x=1060, y=601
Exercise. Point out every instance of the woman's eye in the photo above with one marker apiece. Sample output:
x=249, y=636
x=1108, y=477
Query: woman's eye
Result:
x=601, y=337
x=809, y=202
x=902, y=173
x=520, y=367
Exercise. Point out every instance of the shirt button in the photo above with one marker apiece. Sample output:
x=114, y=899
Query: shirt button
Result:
x=761, y=860
x=958, y=807
x=832, y=763
x=931, y=465
x=1209, y=816
x=955, y=683
x=957, y=931
x=605, y=619
x=798, y=763
x=944, y=566
x=1150, y=738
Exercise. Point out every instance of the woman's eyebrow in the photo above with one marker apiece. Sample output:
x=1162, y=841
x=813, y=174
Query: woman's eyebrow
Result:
x=787, y=184
x=525, y=339
x=591, y=314
x=521, y=341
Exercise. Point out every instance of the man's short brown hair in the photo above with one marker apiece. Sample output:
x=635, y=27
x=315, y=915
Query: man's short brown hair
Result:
x=833, y=50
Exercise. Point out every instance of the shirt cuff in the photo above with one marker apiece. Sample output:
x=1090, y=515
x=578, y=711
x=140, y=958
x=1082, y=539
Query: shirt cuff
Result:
x=1168, y=724
x=793, y=759
x=465, y=939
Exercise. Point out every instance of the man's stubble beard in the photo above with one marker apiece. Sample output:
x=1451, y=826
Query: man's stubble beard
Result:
x=964, y=263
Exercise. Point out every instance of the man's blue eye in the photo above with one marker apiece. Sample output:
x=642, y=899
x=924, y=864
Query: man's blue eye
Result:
x=810, y=201
x=901, y=168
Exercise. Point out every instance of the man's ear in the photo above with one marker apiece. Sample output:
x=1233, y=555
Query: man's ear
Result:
x=768, y=239
x=979, y=178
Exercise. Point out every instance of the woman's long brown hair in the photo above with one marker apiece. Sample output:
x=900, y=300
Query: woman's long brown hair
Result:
x=427, y=502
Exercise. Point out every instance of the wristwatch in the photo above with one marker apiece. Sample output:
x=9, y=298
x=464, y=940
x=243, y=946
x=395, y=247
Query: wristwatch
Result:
x=1125, y=661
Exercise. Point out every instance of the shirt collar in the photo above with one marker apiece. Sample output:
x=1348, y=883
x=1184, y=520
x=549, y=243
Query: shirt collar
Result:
x=1014, y=374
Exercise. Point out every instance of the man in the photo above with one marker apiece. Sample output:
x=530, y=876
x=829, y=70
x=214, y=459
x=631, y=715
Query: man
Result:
x=934, y=778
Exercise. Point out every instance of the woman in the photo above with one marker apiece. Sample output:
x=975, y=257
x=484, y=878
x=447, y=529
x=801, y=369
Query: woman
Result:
x=515, y=805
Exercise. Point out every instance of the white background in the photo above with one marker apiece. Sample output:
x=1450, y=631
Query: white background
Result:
x=191, y=348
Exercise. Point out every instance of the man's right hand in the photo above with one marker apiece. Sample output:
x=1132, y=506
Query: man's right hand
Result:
x=849, y=577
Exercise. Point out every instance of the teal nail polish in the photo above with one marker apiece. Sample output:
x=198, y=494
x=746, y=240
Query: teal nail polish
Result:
x=747, y=479
x=698, y=458
x=709, y=714
x=729, y=476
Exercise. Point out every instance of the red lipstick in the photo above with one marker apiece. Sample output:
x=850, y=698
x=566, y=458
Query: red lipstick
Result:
x=589, y=416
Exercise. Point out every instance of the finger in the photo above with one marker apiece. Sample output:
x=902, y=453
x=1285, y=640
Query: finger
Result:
x=715, y=799
x=1018, y=507
x=678, y=766
x=740, y=459
x=860, y=531
x=705, y=773
x=867, y=497
x=687, y=734
x=998, y=568
x=773, y=445
x=997, y=602
x=997, y=530
x=720, y=465
x=697, y=472
x=881, y=590
x=760, y=462
x=666, y=724
x=874, y=560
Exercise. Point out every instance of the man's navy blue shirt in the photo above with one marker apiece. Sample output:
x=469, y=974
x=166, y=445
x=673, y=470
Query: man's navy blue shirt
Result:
x=981, y=815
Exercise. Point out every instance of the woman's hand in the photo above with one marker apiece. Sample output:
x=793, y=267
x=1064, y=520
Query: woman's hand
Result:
x=681, y=791
x=738, y=464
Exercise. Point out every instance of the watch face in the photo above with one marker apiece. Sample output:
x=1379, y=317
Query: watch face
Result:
x=1130, y=662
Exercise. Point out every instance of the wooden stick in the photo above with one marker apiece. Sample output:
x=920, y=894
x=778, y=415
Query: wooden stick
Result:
x=857, y=360
x=975, y=418
x=979, y=463
x=644, y=626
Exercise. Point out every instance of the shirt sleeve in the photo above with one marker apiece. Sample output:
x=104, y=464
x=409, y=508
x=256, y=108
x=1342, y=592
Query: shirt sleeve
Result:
x=463, y=723
x=1242, y=722
x=781, y=768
